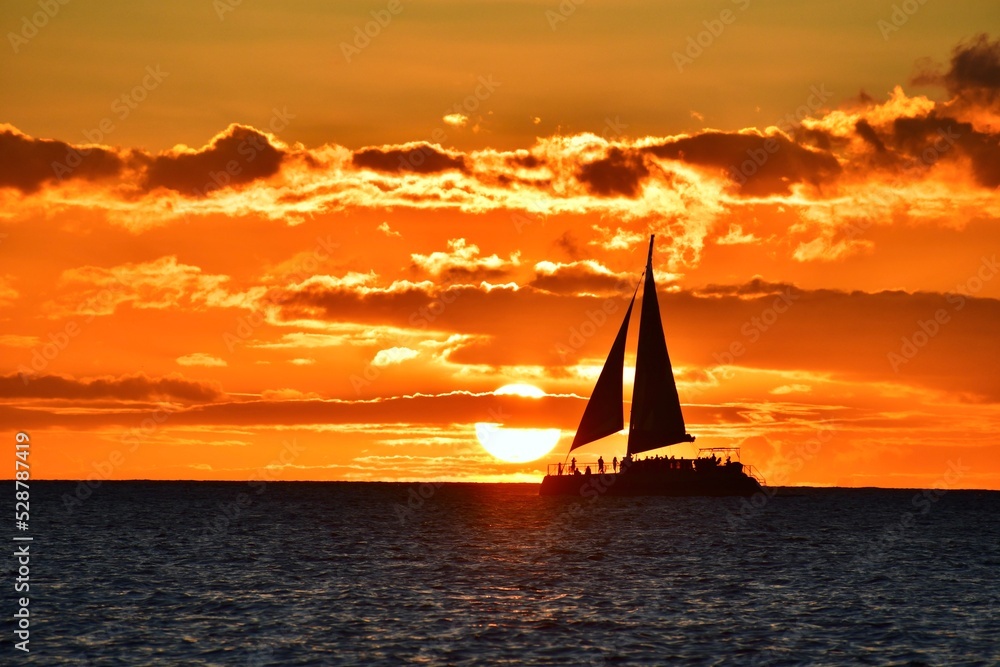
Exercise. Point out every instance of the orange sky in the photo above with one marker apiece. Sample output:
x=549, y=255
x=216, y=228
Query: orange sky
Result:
x=277, y=298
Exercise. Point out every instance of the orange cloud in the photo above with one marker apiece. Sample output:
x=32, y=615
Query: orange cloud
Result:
x=462, y=262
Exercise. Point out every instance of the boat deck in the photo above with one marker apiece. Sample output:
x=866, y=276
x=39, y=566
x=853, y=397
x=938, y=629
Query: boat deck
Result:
x=653, y=477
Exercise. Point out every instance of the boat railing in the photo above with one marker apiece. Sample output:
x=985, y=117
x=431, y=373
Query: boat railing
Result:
x=556, y=469
x=753, y=472
x=566, y=469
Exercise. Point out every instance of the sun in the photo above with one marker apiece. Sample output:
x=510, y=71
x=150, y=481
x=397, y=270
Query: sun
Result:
x=520, y=389
x=516, y=445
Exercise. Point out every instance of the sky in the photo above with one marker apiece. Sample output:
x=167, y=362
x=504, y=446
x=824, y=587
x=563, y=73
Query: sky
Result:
x=244, y=240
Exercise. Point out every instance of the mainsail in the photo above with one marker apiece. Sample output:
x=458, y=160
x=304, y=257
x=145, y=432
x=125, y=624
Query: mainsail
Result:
x=656, y=419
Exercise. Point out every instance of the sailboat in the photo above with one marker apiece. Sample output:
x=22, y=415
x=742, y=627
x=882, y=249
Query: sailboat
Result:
x=656, y=421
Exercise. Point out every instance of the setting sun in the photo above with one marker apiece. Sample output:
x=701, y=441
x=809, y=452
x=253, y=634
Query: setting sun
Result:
x=520, y=389
x=516, y=445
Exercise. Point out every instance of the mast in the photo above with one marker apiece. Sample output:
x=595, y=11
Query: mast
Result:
x=656, y=419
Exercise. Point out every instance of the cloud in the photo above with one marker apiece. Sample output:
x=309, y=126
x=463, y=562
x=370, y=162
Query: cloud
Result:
x=620, y=173
x=754, y=288
x=462, y=262
x=736, y=236
x=867, y=132
x=26, y=163
x=791, y=389
x=136, y=387
x=457, y=407
x=776, y=325
x=15, y=340
x=973, y=73
x=760, y=164
x=934, y=138
x=236, y=156
x=160, y=284
x=388, y=231
x=8, y=295
x=200, y=359
x=302, y=362
x=394, y=355
x=582, y=277
x=417, y=157
x=456, y=119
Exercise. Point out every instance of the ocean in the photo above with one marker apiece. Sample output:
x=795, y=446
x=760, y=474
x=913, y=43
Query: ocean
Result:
x=187, y=573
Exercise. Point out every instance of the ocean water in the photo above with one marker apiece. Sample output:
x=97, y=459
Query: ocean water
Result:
x=181, y=573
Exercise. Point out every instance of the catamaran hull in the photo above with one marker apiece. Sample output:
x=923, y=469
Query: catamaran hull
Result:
x=662, y=483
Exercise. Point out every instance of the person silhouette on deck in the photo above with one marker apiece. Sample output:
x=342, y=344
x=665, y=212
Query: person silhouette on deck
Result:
x=572, y=464
x=559, y=466
x=614, y=464
x=600, y=464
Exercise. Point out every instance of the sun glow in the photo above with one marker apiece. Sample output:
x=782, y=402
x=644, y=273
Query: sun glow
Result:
x=520, y=389
x=516, y=445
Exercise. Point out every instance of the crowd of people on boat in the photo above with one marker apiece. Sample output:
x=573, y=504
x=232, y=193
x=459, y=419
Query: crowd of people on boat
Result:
x=650, y=463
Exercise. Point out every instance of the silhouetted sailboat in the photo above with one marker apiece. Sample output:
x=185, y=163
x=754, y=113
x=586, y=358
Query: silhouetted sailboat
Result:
x=656, y=421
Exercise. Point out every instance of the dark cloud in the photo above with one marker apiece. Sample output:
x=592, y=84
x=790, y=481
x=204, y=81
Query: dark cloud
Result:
x=930, y=138
x=526, y=160
x=461, y=274
x=420, y=158
x=759, y=165
x=867, y=132
x=138, y=387
x=755, y=287
x=238, y=156
x=620, y=173
x=974, y=70
x=570, y=245
x=27, y=163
